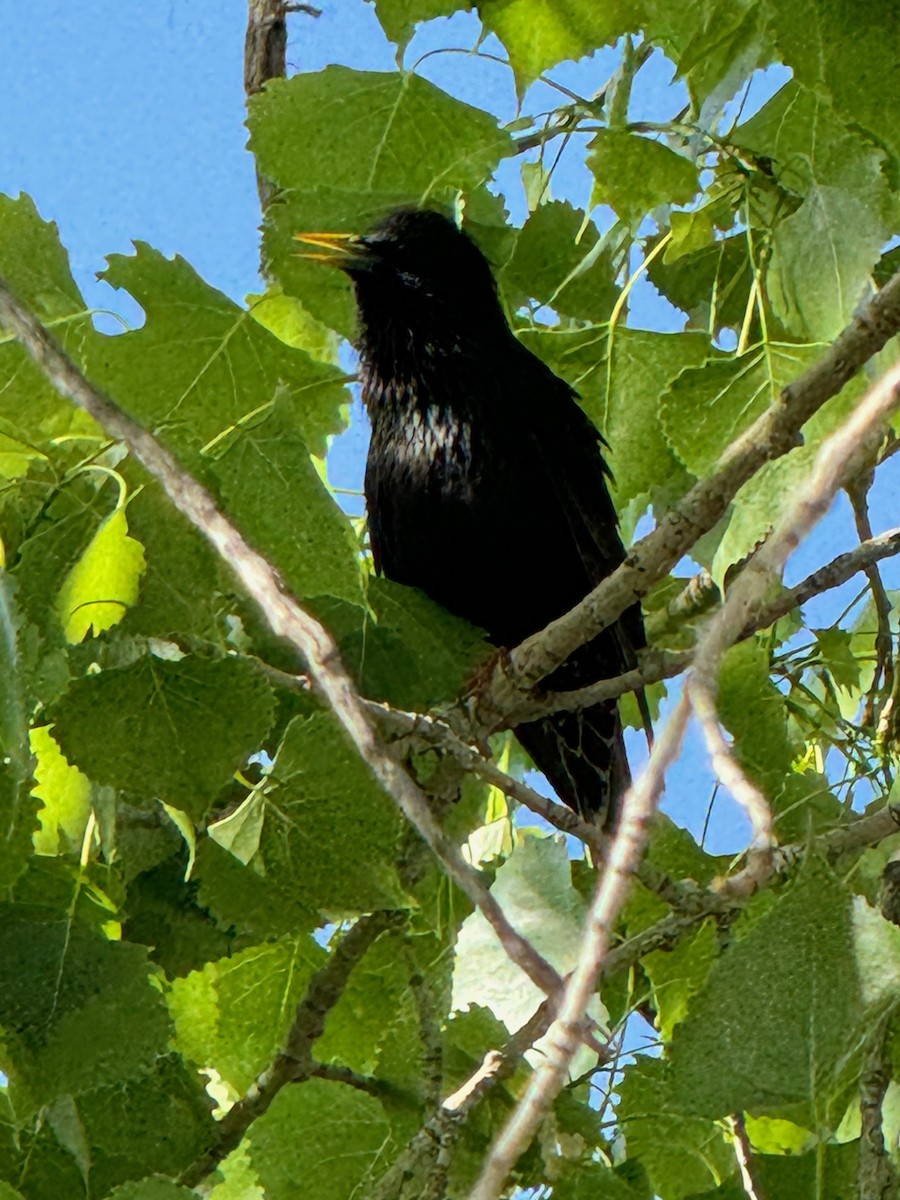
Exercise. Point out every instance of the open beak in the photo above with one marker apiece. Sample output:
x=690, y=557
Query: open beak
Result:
x=335, y=249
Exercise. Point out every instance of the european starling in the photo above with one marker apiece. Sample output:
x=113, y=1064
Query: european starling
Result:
x=485, y=481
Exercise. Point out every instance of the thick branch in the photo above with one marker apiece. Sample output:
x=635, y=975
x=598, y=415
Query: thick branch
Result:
x=265, y=49
x=775, y=433
x=284, y=616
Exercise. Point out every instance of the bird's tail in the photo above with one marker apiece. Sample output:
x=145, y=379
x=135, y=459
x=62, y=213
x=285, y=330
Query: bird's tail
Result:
x=582, y=754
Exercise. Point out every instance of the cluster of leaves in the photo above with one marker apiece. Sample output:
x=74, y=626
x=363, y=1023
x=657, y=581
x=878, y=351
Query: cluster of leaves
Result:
x=185, y=833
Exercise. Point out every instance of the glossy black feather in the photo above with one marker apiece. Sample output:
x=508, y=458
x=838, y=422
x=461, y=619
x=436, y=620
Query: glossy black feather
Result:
x=485, y=482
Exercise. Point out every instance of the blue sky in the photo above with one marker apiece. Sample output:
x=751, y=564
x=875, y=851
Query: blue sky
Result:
x=125, y=121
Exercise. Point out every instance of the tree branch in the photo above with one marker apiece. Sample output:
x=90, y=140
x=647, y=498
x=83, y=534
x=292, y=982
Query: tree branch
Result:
x=720, y=903
x=774, y=433
x=295, y=1062
x=625, y=850
x=882, y=681
x=265, y=49
x=431, y=731
x=284, y=616
x=844, y=450
x=658, y=665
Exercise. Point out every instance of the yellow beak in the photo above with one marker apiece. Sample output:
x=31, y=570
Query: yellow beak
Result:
x=338, y=247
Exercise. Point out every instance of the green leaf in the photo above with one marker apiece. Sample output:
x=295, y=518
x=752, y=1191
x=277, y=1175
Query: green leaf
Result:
x=539, y=34
x=683, y=1155
x=18, y=808
x=753, y=711
x=325, y=786
x=849, y=51
x=776, y=1017
x=243, y=899
x=819, y=274
x=103, y=583
x=732, y=39
x=595, y=1182
x=173, y=730
x=534, y=888
x=55, y=541
x=78, y=1012
x=36, y=267
x=168, y=1100
x=399, y=17
x=673, y=850
x=826, y=1173
x=711, y=283
x=678, y=974
x=556, y=263
x=16, y=458
x=65, y=796
x=238, y=1182
x=270, y=486
x=162, y=911
x=400, y=134
x=407, y=650
x=370, y=1004
x=622, y=401
x=635, y=175
x=877, y=945
x=707, y=406
x=286, y=317
x=151, y=1189
x=234, y=1015
x=305, y=1135
x=836, y=650
x=760, y=503
x=201, y=365
x=770, y=1135
x=185, y=587
x=403, y=141
x=239, y=832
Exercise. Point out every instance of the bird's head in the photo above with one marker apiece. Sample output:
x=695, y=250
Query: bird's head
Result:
x=414, y=268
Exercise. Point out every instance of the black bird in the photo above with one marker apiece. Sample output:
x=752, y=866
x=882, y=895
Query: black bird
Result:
x=485, y=481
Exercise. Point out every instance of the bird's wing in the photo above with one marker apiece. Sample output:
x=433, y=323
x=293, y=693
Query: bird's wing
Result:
x=567, y=447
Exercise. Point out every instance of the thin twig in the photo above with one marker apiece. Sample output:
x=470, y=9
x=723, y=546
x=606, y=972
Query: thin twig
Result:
x=883, y=679
x=284, y=616
x=841, y=453
x=295, y=1061
x=433, y=732
x=625, y=850
x=531, y=141
x=743, y=1153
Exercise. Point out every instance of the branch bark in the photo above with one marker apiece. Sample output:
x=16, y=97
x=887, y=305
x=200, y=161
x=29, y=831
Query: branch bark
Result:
x=876, y=1174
